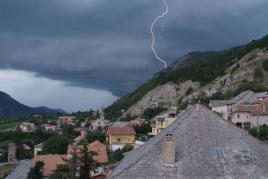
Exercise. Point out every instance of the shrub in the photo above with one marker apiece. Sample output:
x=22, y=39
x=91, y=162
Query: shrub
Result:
x=258, y=74
x=263, y=132
x=265, y=65
x=149, y=113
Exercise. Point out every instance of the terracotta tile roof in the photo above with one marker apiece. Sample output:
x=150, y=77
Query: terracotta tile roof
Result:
x=125, y=130
x=97, y=147
x=120, y=124
x=100, y=150
x=50, y=161
x=77, y=129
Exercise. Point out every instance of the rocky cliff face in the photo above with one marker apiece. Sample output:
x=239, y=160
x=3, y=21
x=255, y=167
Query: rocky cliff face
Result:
x=166, y=95
x=169, y=94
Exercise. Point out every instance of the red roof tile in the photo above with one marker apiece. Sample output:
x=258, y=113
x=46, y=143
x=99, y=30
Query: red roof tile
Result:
x=125, y=130
x=50, y=161
x=100, y=150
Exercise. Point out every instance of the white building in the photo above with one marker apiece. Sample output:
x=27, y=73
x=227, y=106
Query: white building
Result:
x=159, y=123
x=27, y=127
x=49, y=127
x=248, y=116
x=100, y=122
x=38, y=148
x=227, y=107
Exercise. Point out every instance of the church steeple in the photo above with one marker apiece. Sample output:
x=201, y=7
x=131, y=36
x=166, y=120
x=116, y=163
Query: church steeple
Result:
x=102, y=114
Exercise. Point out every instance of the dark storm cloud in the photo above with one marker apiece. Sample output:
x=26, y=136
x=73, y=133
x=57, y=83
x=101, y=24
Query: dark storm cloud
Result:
x=105, y=44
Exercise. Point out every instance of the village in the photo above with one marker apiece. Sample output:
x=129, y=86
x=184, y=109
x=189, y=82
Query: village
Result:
x=67, y=139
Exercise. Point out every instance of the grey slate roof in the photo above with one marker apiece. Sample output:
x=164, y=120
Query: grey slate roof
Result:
x=247, y=95
x=198, y=132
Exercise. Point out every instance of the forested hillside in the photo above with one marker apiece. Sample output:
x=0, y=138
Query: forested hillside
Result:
x=203, y=68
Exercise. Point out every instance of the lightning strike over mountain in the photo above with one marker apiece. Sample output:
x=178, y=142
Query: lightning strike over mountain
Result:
x=153, y=36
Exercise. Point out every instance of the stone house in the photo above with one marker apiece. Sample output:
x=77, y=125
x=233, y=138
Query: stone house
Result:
x=227, y=107
x=199, y=144
x=248, y=116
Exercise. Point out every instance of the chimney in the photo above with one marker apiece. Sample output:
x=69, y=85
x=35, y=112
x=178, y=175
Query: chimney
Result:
x=168, y=150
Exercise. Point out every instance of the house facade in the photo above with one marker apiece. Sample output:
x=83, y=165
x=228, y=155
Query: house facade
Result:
x=68, y=120
x=27, y=127
x=243, y=117
x=49, y=127
x=248, y=116
x=227, y=107
x=38, y=148
x=119, y=136
x=161, y=122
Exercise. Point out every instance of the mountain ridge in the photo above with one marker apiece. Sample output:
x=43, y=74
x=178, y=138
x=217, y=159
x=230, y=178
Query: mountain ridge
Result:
x=9, y=107
x=206, y=71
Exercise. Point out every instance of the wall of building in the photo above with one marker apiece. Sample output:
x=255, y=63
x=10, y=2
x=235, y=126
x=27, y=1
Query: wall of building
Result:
x=221, y=110
x=261, y=120
x=121, y=139
x=242, y=117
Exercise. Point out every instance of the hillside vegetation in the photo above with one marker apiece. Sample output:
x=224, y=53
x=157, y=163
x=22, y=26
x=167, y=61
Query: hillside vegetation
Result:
x=204, y=71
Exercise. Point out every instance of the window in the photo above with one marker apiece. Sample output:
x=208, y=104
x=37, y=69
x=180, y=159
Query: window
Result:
x=246, y=125
x=238, y=116
x=220, y=152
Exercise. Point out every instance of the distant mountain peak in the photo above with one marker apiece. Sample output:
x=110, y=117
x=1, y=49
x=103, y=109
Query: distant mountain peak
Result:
x=9, y=107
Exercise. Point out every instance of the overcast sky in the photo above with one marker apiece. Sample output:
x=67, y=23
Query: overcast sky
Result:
x=81, y=54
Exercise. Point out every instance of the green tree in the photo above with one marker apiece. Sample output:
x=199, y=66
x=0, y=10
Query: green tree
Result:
x=119, y=153
x=258, y=74
x=263, y=132
x=265, y=65
x=62, y=172
x=68, y=170
x=87, y=163
x=145, y=128
x=36, y=171
x=182, y=105
x=68, y=131
x=149, y=113
x=98, y=134
x=56, y=145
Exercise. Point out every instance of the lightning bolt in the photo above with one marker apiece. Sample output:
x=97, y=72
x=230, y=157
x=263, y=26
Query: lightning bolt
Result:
x=153, y=36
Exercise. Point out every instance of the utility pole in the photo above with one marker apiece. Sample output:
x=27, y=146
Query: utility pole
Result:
x=258, y=129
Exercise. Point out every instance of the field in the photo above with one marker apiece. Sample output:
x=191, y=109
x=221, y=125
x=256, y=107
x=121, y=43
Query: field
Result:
x=6, y=126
